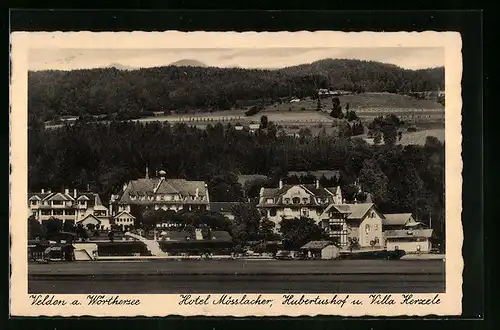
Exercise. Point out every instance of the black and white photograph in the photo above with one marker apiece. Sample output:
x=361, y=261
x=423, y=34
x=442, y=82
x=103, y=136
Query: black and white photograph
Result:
x=238, y=171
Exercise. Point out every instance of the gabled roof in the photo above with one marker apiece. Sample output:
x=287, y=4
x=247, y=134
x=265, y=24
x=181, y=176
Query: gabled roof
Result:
x=353, y=211
x=90, y=215
x=396, y=219
x=419, y=233
x=142, y=187
x=58, y=197
x=124, y=213
x=166, y=187
x=220, y=235
x=310, y=188
x=93, y=198
x=40, y=195
x=315, y=245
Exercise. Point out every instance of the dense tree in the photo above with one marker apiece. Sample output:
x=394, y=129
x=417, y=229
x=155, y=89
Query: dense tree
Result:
x=263, y=122
x=358, y=128
x=299, y=231
x=252, y=187
x=81, y=232
x=336, y=108
x=351, y=115
x=373, y=180
x=246, y=224
x=52, y=227
x=225, y=188
x=266, y=230
x=388, y=126
x=35, y=229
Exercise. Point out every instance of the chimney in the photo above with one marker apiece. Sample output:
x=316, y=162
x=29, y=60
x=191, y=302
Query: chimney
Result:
x=124, y=186
x=147, y=172
x=281, y=184
x=317, y=183
x=197, y=193
x=43, y=191
x=74, y=193
x=66, y=191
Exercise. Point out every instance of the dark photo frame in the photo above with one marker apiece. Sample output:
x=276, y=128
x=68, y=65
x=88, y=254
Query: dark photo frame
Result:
x=468, y=23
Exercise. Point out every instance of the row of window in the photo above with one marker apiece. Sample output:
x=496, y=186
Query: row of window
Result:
x=124, y=220
x=165, y=198
x=58, y=212
x=368, y=228
x=297, y=200
x=57, y=203
x=69, y=212
x=303, y=212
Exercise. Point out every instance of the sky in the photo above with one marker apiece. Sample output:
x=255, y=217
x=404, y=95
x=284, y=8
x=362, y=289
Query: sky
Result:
x=264, y=58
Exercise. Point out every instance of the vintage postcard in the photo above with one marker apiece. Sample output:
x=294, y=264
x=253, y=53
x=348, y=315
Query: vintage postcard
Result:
x=236, y=174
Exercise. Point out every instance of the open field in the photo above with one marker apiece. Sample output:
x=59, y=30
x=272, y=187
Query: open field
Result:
x=304, y=113
x=255, y=276
x=361, y=101
x=417, y=138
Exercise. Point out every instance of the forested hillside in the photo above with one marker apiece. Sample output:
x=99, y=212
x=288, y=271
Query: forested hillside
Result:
x=124, y=94
x=102, y=157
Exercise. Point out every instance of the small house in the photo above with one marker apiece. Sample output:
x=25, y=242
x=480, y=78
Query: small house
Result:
x=410, y=241
x=321, y=250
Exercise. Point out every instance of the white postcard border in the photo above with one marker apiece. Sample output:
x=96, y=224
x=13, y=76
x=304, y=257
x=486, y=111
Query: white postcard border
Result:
x=163, y=305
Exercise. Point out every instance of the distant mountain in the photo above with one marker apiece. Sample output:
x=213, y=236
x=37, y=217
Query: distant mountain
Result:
x=190, y=63
x=121, y=67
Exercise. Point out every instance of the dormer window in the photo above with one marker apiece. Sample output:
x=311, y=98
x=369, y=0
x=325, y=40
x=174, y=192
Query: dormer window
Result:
x=34, y=202
x=296, y=200
x=287, y=200
x=57, y=203
x=82, y=202
x=270, y=201
x=304, y=200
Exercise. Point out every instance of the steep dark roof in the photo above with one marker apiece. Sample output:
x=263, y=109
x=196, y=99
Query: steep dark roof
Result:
x=93, y=198
x=143, y=187
x=316, y=245
x=318, y=192
x=419, y=233
x=354, y=211
x=396, y=219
